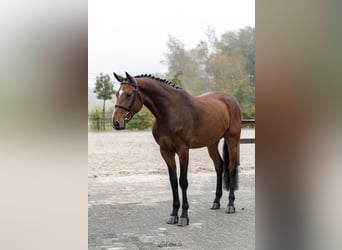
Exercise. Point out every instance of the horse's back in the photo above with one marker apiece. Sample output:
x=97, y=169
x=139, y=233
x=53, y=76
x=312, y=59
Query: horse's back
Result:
x=224, y=104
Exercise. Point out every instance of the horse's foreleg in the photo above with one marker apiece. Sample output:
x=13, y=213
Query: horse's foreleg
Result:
x=183, y=181
x=218, y=162
x=169, y=158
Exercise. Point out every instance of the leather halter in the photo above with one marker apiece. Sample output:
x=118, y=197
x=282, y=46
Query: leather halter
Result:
x=129, y=108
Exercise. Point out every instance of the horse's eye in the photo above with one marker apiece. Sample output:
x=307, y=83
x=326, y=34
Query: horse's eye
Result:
x=128, y=95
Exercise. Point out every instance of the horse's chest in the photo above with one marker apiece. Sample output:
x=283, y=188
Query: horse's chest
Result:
x=171, y=141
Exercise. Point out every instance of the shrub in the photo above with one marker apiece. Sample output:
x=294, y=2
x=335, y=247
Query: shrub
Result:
x=142, y=120
x=94, y=117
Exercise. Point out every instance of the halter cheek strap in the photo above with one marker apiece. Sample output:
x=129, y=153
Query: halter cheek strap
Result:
x=129, y=108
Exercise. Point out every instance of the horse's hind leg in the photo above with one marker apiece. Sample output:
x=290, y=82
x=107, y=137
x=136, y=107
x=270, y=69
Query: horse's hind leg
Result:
x=218, y=162
x=232, y=143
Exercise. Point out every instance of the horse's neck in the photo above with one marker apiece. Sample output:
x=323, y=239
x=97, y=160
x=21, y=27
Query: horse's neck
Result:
x=158, y=99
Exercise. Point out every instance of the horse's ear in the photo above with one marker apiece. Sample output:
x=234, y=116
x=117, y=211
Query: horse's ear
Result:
x=131, y=79
x=118, y=77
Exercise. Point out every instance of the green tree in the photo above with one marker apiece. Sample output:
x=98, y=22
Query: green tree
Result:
x=223, y=64
x=231, y=67
x=246, y=39
x=181, y=60
x=104, y=89
x=175, y=79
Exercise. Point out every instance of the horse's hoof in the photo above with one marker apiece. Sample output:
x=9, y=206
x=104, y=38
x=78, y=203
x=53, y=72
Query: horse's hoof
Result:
x=230, y=210
x=173, y=219
x=183, y=222
x=215, y=206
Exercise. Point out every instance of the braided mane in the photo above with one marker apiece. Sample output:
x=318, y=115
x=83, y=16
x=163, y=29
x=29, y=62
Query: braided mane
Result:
x=159, y=80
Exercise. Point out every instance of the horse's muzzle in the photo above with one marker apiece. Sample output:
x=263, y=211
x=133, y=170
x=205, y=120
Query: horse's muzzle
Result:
x=118, y=126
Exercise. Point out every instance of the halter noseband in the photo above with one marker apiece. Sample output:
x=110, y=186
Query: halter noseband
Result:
x=129, y=108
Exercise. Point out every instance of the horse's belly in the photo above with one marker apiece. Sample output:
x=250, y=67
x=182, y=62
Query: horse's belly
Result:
x=197, y=144
x=206, y=139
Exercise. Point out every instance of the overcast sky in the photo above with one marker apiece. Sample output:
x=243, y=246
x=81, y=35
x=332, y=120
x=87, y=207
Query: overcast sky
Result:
x=131, y=35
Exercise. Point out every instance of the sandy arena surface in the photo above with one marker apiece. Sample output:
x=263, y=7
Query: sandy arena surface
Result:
x=122, y=153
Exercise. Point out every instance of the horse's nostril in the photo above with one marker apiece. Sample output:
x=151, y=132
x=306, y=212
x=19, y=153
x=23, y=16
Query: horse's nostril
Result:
x=116, y=125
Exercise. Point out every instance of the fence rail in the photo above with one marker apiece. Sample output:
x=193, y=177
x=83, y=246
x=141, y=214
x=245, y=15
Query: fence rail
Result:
x=247, y=140
x=248, y=122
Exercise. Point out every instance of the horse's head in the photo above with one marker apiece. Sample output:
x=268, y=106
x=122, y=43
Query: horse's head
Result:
x=128, y=101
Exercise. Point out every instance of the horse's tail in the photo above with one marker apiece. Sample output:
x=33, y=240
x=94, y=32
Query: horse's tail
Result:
x=226, y=174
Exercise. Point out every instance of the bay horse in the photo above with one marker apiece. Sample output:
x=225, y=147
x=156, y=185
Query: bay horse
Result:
x=183, y=121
